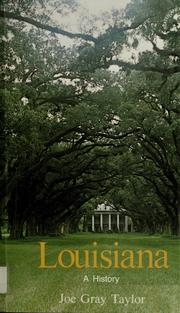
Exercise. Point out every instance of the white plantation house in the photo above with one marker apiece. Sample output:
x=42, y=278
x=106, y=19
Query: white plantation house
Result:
x=106, y=218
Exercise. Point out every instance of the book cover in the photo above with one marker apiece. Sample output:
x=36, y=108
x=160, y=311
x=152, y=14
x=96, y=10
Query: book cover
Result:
x=89, y=156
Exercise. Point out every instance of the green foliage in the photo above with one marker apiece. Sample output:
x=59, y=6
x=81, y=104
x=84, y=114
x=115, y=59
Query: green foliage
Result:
x=77, y=132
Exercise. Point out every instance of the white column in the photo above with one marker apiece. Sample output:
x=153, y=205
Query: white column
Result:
x=101, y=222
x=118, y=221
x=92, y=222
x=126, y=224
x=109, y=221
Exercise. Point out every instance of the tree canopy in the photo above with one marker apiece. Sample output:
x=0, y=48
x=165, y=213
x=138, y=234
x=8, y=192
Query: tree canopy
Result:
x=83, y=122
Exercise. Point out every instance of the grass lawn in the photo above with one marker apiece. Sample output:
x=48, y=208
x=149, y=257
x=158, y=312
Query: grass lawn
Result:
x=31, y=289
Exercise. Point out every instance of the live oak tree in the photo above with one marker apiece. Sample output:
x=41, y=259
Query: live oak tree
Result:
x=156, y=144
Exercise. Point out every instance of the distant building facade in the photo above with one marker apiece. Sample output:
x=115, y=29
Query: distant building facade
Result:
x=106, y=218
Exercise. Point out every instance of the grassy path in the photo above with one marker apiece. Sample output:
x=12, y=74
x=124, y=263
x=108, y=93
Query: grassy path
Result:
x=39, y=290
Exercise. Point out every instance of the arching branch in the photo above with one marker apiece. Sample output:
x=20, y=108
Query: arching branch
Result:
x=145, y=68
x=49, y=28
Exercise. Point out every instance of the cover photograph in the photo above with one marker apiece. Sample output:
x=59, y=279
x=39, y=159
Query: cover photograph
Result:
x=90, y=156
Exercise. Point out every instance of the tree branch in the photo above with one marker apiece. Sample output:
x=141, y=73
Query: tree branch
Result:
x=57, y=30
x=166, y=52
x=49, y=28
x=140, y=67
